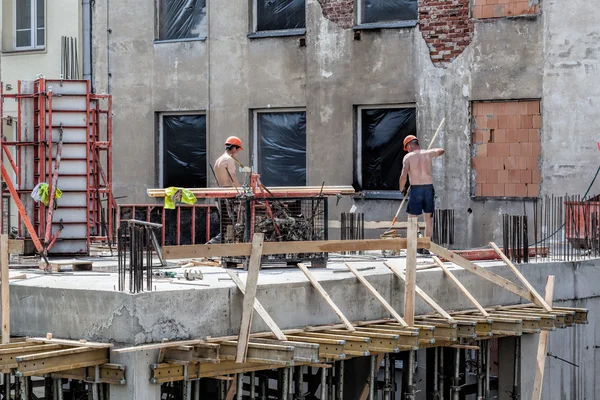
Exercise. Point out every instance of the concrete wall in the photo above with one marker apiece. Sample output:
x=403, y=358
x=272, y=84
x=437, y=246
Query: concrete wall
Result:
x=552, y=56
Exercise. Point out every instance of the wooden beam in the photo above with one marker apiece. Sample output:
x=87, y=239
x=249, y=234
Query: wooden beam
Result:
x=282, y=355
x=113, y=374
x=4, y=288
x=71, y=343
x=155, y=346
x=410, y=281
x=375, y=293
x=323, y=293
x=538, y=299
x=542, y=346
x=258, y=307
x=432, y=303
x=481, y=272
x=249, y=297
x=60, y=360
x=377, y=225
x=322, y=246
x=460, y=286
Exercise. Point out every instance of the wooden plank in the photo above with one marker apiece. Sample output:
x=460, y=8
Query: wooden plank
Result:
x=322, y=246
x=377, y=225
x=481, y=272
x=432, y=303
x=282, y=355
x=354, y=346
x=542, y=346
x=113, y=374
x=463, y=289
x=16, y=246
x=155, y=346
x=4, y=287
x=60, y=360
x=258, y=307
x=410, y=281
x=375, y=293
x=249, y=297
x=538, y=299
x=325, y=295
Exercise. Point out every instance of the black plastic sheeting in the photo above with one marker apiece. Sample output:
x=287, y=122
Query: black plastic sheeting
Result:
x=184, y=156
x=383, y=131
x=275, y=15
x=182, y=19
x=282, y=148
x=388, y=10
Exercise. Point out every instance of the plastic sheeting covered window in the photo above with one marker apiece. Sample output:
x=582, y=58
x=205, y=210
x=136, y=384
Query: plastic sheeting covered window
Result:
x=373, y=11
x=181, y=19
x=382, y=151
x=275, y=15
x=281, y=148
x=184, y=151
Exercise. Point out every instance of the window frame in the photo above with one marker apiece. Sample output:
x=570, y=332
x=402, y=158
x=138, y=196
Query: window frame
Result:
x=375, y=194
x=273, y=33
x=254, y=136
x=384, y=24
x=160, y=169
x=158, y=40
x=34, y=28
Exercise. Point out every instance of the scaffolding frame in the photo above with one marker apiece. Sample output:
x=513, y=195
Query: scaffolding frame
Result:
x=45, y=149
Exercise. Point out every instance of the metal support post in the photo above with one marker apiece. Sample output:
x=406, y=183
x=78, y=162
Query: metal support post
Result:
x=323, y=384
x=252, y=385
x=517, y=371
x=373, y=378
x=340, y=380
x=456, y=380
x=222, y=390
x=480, y=374
x=409, y=368
x=387, y=385
x=487, y=368
x=436, y=378
x=284, y=383
x=197, y=389
x=442, y=375
x=291, y=383
x=300, y=383
x=239, y=389
x=330, y=386
x=6, y=389
x=263, y=381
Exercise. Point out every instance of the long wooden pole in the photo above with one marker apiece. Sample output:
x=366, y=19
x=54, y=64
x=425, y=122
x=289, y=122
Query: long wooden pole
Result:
x=410, y=282
x=5, y=289
x=542, y=346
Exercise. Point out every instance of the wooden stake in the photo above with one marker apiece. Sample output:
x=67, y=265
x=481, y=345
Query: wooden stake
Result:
x=461, y=287
x=539, y=300
x=323, y=293
x=410, y=282
x=482, y=272
x=232, y=389
x=249, y=297
x=258, y=307
x=375, y=293
x=542, y=346
x=432, y=303
x=5, y=289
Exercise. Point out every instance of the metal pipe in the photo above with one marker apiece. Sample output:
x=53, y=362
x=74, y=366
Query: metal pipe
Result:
x=87, y=39
x=6, y=389
x=239, y=388
x=263, y=382
x=340, y=380
x=372, y=378
x=197, y=389
x=300, y=383
x=323, y=384
x=442, y=374
x=291, y=383
x=436, y=378
x=284, y=383
x=410, y=390
x=456, y=380
x=222, y=390
x=517, y=370
x=188, y=390
x=487, y=368
x=252, y=385
x=330, y=387
x=387, y=375
x=479, y=373
x=59, y=389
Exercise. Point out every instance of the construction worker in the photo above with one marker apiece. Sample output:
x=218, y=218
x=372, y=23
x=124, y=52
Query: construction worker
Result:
x=417, y=167
x=225, y=171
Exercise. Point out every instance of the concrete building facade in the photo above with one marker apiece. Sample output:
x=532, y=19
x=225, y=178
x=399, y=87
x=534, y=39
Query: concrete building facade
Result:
x=439, y=57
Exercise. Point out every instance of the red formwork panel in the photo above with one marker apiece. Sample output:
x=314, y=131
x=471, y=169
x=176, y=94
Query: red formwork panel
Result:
x=582, y=223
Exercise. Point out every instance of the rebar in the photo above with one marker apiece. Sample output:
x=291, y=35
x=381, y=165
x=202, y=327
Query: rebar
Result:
x=443, y=227
x=352, y=227
x=136, y=243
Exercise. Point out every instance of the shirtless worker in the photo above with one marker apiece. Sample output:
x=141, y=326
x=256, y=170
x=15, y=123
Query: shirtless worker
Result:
x=225, y=171
x=417, y=166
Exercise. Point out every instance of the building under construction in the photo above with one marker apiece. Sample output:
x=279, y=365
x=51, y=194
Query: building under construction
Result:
x=319, y=288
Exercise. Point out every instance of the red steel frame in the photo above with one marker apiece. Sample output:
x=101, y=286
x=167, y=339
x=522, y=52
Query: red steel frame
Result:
x=98, y=151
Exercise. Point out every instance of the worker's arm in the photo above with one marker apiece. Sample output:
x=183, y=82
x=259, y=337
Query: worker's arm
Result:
x=404, y=174
x=230, y=166
x=436, y=152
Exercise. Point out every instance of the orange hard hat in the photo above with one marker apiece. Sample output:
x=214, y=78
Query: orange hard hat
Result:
x=235, y=141
x=409, y=139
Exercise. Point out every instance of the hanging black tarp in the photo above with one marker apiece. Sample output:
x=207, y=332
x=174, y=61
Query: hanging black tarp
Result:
x=282, y=148
x=184, y=155
x=272, y=15
x=388, y=10
x=382, y=132
x=182, y=19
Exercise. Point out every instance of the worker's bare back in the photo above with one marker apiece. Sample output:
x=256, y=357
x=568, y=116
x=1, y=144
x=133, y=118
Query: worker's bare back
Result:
x=418, y=165
x=225, y=170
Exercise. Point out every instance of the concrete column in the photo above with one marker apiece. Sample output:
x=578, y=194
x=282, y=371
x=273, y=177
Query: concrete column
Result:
x=137, y=372
x=529, y=345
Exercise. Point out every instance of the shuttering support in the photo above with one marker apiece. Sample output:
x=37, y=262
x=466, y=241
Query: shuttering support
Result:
x=318, y=346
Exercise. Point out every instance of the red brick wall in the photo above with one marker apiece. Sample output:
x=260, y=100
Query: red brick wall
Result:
x=502, y=8
x=506, y=141
x=340, y=12
x=446, y=28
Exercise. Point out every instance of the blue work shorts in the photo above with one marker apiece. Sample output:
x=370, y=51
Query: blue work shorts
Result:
x=421, y=199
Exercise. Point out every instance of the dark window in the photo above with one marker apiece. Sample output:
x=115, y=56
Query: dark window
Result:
x=281, y=152
x=381, y=134
x=181, y=19
x=275, y=15
x=184, y=151
x=373, y=11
